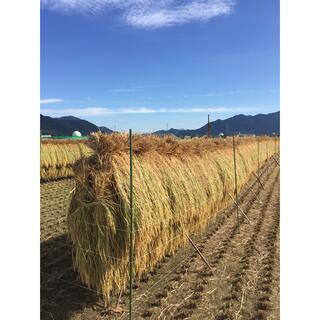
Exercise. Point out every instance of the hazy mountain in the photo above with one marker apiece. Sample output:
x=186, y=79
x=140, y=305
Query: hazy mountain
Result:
x=105, y=130
x=64, y=126
x=258, y=124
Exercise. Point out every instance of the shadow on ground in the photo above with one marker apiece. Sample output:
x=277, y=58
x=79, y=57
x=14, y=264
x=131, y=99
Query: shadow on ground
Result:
x=62, y=294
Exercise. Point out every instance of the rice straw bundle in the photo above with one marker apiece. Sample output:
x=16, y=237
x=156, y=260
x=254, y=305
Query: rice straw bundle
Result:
x=58, y=157
x=178, y=186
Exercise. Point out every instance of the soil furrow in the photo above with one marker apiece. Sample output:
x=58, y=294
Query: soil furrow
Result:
x=261, y=302
x=227, y=291
x=236, y=273
x=188, y=283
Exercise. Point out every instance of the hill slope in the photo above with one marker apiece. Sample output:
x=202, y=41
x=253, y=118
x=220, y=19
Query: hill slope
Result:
x=64, y=126
x=257, y=124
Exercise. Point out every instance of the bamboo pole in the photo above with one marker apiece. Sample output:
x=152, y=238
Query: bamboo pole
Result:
x=255, y=195
x=258, y=180
x=276, y=161
x=236, y=203
x=235, y=177
x=131, y=227
x=258, y=160
x=199, y=252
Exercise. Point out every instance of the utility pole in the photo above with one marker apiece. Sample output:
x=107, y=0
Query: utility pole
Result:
x=208, y=125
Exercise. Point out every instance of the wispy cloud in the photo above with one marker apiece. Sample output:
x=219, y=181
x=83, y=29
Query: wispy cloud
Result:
x=221, y=93
x=124, y=90
x=141, y=110
x=148, y=13
x=46, y=101
x=179, y=14
x=137, y=88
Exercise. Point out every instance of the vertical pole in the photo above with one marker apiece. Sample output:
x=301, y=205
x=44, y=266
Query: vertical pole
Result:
x=258, y=160
x=131, y=228
x=267, y=151
x=208, y=125
x=235, y=177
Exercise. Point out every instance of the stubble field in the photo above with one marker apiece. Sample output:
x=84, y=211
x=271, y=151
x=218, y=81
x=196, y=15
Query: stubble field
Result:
x=243, y=282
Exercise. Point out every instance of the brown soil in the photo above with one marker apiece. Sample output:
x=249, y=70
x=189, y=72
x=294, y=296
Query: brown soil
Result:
x=55, y=198
x=243, y=282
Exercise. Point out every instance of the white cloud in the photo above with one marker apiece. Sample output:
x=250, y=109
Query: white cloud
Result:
x=46, y=101
x=141, y=110
x=179, y=14
x=148, y=13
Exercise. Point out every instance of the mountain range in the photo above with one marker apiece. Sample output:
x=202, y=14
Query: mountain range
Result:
x=257, y=124
x=65, y=126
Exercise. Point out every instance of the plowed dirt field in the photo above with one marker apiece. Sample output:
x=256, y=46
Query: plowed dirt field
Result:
x=243, y=282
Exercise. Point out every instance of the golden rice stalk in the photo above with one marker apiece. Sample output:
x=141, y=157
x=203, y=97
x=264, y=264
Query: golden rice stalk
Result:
x=179, y=185
x=57, y=158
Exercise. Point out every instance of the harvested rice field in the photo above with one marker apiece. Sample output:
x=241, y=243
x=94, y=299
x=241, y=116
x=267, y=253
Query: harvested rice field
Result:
x=241, y=283
x=55, y=198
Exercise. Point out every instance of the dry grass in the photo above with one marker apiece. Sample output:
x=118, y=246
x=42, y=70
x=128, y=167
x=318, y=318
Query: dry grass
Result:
x=58, y=157
x=178, y=186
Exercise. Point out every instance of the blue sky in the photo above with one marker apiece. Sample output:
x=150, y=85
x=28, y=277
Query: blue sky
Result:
x=145, y=64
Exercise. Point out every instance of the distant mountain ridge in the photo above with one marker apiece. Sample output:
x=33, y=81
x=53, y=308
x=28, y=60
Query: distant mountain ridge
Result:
x=65, y=126
x=257, y=124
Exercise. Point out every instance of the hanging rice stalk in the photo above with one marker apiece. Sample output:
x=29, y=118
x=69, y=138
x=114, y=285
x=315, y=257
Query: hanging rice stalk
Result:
x=179, y=185
x=58, y=157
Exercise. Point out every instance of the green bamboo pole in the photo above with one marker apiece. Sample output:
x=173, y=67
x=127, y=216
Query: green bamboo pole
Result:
x=131, y=228
x=258, y=158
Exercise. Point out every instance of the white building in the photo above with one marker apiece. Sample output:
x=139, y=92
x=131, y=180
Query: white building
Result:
x=76, y=134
